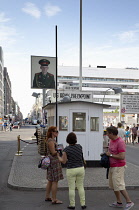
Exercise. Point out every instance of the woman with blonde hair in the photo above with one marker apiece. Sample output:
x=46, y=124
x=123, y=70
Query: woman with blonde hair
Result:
x=54, y=171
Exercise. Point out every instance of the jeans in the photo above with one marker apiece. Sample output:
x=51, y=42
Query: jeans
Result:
x=75, y=177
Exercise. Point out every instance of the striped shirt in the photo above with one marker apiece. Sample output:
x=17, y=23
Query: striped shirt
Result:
x=74, y=156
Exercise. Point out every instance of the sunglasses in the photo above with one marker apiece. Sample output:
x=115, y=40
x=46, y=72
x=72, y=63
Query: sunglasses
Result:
x=55, y=131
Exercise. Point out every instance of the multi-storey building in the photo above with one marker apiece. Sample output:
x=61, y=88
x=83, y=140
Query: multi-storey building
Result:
x=1, y=84
x=99, y=80
x=9, y=109
x=7, y=93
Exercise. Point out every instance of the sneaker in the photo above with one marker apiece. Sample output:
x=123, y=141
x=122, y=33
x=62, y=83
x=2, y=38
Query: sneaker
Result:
x=116, y=205
x=71, y=207
x=84, y=207
x=129, y=206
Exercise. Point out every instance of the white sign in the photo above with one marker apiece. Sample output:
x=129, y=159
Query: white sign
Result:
x=130, y=104
x=74, y=95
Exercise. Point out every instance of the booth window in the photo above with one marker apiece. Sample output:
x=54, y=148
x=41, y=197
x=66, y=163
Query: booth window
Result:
x=79, y=121
x=63, y=123
x=94, y=123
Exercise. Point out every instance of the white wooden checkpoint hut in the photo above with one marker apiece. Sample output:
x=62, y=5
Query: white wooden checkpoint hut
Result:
x=83, y=118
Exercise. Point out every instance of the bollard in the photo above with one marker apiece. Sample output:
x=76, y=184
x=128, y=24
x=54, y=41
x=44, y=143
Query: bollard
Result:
x=18, y=146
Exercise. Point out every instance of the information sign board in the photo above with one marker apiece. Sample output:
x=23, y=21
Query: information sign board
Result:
x=129, y=104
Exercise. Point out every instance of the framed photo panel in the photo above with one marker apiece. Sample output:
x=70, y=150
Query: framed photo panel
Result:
x=43, y=72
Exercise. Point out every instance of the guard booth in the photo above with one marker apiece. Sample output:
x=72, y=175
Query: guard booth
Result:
x=83, y=118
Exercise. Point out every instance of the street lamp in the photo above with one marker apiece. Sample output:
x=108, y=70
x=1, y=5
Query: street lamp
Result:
x=36, y=96
x=66, y=99
x=116, y=91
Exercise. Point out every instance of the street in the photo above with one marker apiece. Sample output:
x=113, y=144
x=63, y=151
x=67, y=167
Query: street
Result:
x=34, y=200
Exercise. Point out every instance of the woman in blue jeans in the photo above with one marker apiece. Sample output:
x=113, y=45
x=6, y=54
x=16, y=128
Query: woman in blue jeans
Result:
x=73, y=156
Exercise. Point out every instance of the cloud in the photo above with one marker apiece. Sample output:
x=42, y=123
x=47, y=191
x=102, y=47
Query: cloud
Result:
x=137, y=25
x=32, y=10
x=3, y=19
x=7, y=34
x=128, y=36
x=51, y=10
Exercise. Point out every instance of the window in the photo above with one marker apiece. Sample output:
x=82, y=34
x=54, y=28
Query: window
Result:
x=79, y=121
x=63, y=123
x=94, y=123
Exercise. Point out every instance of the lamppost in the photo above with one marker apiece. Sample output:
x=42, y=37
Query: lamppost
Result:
x=36, y=96
x=116, y=91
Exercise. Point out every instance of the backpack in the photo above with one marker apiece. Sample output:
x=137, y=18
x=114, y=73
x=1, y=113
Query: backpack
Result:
x=105, y=163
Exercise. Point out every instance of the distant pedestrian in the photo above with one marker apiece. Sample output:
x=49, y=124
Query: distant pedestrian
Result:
x=75, y=172
x=127, y=134
x=134, y=133
x=36, y=132
x=121, y=131
x=10, y=126
x=116, y=153
x=5, y=126
x=138, y=132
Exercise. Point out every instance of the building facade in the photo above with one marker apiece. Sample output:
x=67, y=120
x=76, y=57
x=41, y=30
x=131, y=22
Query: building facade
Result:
x=1, y=84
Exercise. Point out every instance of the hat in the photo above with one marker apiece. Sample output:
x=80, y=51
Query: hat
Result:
x=44, y=62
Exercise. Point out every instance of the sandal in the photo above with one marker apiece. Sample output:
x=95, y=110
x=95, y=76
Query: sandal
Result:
x=48, y=199
x=57, y=202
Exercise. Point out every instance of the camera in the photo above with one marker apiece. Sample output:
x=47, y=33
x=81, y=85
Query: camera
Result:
x=59, y=150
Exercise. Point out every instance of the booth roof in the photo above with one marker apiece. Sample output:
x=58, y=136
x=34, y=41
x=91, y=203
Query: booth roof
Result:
x=50, y=105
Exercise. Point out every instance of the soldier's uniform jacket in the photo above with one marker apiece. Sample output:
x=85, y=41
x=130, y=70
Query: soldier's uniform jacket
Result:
x=43, y=81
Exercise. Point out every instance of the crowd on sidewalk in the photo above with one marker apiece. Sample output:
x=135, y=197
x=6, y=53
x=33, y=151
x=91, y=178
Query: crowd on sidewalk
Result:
x=129, y=133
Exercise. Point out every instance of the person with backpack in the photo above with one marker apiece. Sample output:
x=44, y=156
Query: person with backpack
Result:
x=116, y=153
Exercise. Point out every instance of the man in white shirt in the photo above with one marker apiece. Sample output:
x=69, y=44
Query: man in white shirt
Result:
x=121, y=131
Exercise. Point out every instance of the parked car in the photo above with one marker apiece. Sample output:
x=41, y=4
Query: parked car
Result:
x=34, y=122
x=16, y=124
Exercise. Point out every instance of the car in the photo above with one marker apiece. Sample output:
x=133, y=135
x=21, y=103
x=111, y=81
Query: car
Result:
x=34, y=122
x=15, y=125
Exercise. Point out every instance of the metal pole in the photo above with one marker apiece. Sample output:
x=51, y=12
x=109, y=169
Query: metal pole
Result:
x=44, y=91
x=120, y=107
x=56, y=76
x=105, y=95
x=18, y=139
x=80, y=79
x=18, y=146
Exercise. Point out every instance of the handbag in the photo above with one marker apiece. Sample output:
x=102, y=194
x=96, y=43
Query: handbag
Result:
x=105, y=163
x=44, y=163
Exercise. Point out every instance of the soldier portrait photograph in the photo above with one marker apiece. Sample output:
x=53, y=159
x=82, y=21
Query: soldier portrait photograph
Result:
x=43, y=76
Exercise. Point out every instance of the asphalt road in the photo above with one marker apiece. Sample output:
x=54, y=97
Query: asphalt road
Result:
x=132, y=154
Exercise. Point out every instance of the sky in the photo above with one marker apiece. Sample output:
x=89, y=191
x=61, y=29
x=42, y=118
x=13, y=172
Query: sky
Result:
x=110, y=37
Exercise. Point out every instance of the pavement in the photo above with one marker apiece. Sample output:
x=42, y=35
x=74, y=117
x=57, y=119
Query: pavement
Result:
x=25, y=173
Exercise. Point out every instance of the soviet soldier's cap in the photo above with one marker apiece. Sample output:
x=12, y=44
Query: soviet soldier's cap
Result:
x=44, y=62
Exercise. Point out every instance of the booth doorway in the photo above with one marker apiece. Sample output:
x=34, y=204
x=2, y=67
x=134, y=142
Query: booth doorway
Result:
x=79, y=124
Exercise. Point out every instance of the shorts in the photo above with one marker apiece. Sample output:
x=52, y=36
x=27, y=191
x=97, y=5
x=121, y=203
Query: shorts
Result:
x=116, y=178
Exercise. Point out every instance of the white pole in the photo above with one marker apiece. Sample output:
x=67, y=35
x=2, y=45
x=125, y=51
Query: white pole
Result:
x=80, y=79
x=120, y=107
